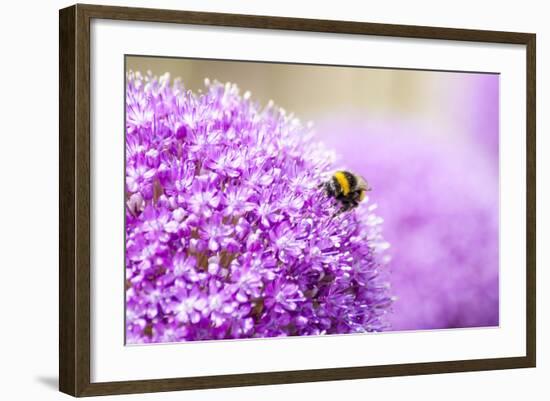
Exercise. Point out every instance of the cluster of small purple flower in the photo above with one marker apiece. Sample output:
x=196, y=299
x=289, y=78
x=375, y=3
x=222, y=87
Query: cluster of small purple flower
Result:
x=228, y=234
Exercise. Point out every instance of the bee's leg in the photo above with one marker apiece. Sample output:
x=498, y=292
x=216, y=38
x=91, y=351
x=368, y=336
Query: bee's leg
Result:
x=353, y=204
x=346, y=205
x=341, y=210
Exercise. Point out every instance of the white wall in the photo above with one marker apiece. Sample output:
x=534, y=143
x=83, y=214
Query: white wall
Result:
x=28, y=199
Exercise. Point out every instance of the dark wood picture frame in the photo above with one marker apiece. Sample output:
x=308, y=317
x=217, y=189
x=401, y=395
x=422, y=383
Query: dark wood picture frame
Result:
x=74, y=199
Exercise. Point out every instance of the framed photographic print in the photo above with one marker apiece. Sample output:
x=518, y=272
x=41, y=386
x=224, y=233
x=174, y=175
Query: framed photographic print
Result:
x=250, y=200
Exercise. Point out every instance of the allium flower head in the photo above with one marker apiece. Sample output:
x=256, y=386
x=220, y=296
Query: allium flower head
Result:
x=228, y=234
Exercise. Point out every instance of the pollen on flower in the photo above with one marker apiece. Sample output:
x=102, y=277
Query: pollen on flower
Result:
x=227, y=232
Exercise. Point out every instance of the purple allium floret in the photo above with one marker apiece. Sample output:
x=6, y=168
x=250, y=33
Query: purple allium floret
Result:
x=228, y=234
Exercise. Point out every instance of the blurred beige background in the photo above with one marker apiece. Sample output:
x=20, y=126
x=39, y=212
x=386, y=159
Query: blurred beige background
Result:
x=312, y=90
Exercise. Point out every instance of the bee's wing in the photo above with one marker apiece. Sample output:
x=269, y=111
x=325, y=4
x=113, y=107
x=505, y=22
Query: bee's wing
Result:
x=362, y=183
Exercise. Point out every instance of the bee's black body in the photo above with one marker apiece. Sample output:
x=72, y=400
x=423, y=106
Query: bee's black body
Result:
x=348, y=188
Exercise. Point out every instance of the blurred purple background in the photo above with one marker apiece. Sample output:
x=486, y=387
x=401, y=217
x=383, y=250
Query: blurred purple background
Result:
x=438, y=191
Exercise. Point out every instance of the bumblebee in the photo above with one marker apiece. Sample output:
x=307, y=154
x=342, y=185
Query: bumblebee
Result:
x=347, y=188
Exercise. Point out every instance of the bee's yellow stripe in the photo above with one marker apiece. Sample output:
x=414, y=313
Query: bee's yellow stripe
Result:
x=343, y=181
